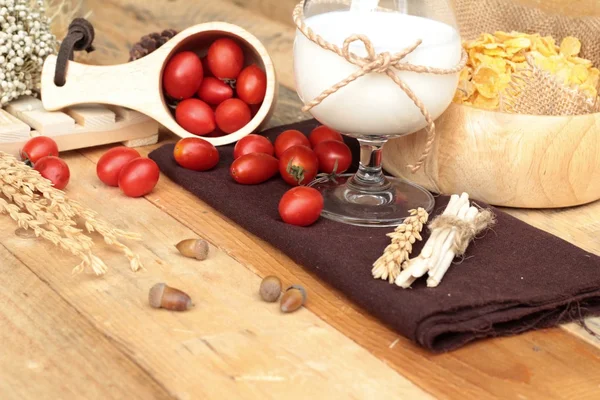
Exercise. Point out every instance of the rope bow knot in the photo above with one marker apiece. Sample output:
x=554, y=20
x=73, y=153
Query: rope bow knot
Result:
x=384, y=63
x=374, y=62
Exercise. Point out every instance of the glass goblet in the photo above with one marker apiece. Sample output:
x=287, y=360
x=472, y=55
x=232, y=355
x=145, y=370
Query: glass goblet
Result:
x=373, y=107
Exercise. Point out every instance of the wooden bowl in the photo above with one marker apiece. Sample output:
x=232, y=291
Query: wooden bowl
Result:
x=506, y=159
x=138, y=85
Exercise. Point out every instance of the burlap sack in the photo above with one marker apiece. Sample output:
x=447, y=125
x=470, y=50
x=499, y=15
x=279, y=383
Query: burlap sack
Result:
x=534, y=91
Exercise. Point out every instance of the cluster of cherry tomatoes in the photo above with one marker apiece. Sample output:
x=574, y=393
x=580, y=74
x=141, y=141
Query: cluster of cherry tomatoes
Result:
x=120, y=166
x=124, y=167
x=296, y=158
x=215, y=95
x=41, y=153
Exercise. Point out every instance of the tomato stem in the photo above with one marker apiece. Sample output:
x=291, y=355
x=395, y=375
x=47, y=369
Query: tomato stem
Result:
x=230, y=82
x=26, y=159
x=296, y=171
x=331, y=176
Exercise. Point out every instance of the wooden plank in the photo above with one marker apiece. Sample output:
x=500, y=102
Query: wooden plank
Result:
x=49, y=123
x=140, y=127
x=12, y=128
x=22, y=104
x=590, y=333
x=124, y=113
x=453, y=375
x=50, y=351
x=145, y=141
x=231, y=345
x=476, y=371
x=92, y=115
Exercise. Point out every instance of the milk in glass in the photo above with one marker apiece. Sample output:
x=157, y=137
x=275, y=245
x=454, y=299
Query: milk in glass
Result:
x=374, y=104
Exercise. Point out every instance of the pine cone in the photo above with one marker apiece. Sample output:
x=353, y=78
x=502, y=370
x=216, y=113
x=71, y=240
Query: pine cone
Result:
x=149, y=43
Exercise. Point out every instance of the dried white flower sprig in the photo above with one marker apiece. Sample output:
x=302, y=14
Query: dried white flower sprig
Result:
x=34, y=204
x=25, y=41
x=389, y=265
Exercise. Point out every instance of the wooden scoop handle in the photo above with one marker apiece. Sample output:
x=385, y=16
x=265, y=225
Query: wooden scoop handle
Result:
x=135, y=85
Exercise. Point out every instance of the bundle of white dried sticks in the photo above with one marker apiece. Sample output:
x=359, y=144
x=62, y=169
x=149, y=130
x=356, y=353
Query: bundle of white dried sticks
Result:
x=451, y=233
x=31, y=201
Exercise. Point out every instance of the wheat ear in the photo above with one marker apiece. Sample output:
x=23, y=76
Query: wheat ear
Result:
x=389, y=265
x=37, y=205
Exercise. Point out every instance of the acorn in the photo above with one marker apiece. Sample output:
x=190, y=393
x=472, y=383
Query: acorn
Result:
x=270, y=288
x=193, y=248
x=163, y=296
x=293, y=298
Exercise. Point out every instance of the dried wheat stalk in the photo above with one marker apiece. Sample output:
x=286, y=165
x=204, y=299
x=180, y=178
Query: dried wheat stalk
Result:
x=35, y=204
x=389, y=265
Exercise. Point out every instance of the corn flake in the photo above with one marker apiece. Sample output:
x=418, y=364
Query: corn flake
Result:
x=493, y=58
x=570, y=46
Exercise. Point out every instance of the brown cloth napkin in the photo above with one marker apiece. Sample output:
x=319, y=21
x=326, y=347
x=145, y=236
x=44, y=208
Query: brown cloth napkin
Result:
x=514, y=279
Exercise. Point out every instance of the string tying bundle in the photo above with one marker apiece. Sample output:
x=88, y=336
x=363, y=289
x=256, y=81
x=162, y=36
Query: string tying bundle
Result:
x=465, y=231
x=382, y=63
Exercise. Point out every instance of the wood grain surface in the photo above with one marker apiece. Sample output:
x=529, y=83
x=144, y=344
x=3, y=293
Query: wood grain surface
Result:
x=505, y=159
x=49, y=351
x=231, y=345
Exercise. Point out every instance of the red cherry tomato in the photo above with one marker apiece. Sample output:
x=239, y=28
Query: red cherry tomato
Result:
x=289, y=138
x=196, y=154
x=183, y=75
x=138, y=177
x=254, y=168
x=232, y=115
x=195, y=116
x=205, y=67
x=214, y=91
x=323, y=133
x=333, y=156
x=112, y=162
x=254, y=109
x=55, y=170
x=301, y=206
x=225, y=58
x=251, y=85
x=253, y=144
x=38, y=147
x=298, y=165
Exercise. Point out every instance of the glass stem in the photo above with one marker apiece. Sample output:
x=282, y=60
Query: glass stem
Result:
x=369, y=176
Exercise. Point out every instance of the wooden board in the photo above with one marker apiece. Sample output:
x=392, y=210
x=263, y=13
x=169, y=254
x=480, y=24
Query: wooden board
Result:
x=335, y=309
x=12, y=128
x=92, y=116
x=505, y=159
x=231, y=345
x=546, y=364
x=75, y=127
x=50, y=352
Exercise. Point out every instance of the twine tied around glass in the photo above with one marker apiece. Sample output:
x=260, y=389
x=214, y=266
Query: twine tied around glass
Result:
x=383, y=63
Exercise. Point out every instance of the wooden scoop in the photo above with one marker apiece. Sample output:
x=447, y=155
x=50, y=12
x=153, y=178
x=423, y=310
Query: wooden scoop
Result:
x=138, y=84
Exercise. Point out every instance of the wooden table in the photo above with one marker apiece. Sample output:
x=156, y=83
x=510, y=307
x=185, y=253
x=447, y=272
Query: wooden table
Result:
x=78, y=336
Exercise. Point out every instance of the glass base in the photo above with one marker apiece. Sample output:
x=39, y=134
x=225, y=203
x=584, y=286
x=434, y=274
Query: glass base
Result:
x=386, y=206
